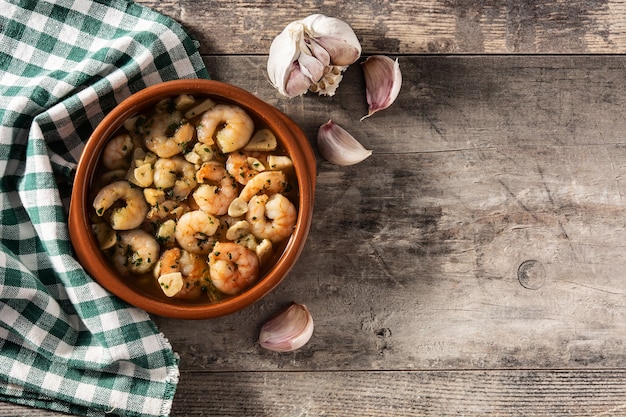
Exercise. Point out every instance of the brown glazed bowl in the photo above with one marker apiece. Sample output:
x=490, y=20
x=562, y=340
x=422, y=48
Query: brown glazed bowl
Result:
x=86, y=246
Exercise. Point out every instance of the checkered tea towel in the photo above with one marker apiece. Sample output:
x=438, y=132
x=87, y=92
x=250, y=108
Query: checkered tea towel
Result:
x=65, y=343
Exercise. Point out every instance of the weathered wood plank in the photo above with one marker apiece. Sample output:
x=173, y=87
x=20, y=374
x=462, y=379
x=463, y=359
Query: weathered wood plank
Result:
x=415, y=27
x=398, y=394
x=369, y=394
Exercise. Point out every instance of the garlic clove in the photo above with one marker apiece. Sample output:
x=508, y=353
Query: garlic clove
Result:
x=283, y=60
x=287, y=330
x=383, y=80
x=338, y=146
x=310, y=66
x=297, y=83
x=336, y=36
x=318, y=51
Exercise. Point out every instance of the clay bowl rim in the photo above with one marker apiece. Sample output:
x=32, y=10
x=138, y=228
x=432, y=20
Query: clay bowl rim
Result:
x=85, y=244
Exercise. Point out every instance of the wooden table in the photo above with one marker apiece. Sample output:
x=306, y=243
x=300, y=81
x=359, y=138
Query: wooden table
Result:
x=475, y=264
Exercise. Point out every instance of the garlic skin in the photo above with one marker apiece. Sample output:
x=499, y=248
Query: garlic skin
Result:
x=383, y=80
x=287, y=330
x=311, y=54
x=338, y=146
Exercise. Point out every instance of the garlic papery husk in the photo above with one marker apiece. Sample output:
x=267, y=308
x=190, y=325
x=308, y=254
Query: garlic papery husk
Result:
x=383, y=80
x=310, y=54
x=287, y=330
x=338, y=146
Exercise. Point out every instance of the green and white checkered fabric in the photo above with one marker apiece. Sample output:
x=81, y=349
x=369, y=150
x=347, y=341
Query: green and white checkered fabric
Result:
x=65, y=343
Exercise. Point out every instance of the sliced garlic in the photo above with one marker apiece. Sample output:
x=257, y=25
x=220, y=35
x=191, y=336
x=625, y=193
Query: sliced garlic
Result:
x=141, y=172
x=238, y=230
x=310, y=54
x=153, y=196
x=238, y=207
x=287, y=330
x=262, y=140
x=338, y=146
x=200, y=153
x=166, y=232
x=279, y=162
x=255, y=164
x=200, y=108
x=142, y=175
x=248, y=241
x=171, y=283
x=104, y=234
x=383, y=80
x=264, y=250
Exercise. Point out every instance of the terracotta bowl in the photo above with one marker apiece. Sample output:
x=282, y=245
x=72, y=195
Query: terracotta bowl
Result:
x=86, y=246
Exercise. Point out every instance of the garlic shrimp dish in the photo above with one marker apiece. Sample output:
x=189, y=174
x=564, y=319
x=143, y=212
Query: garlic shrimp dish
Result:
x=194, y=200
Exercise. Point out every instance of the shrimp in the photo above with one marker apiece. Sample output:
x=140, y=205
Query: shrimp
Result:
x=194, y=231
x=266, y=182
x=193, y=270
x=233, y=268
x=243, y=167
x=215, y=197
x=176, y=175
x=271, y=217
x=136, y=252
x=128, y=216
x=229, y=125
x=117, y=151
x=166, y=132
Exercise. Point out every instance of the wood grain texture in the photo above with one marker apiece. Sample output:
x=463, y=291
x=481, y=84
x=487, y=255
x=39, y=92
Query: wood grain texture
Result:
x=415, y=27
x=397, y=394
x=414, y=257
x=364, y=394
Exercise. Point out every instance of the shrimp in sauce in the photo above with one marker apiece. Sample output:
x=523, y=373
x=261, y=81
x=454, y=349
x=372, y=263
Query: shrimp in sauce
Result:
x=233, y=267
x=230, y=126
x=192, y=270
x=136, y=252
x=128, y=216
x=271, y=217
x=186, y=195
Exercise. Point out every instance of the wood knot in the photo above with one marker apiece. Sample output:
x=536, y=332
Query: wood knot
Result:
x=531, y=274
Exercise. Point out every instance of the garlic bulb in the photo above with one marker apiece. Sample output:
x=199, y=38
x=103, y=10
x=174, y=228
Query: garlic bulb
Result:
x=311, y=54
x=288, y=330
x=383, y=80
x=338, y=146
